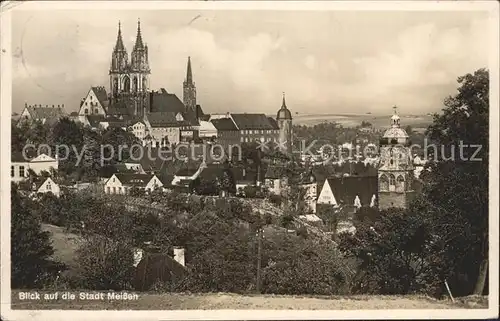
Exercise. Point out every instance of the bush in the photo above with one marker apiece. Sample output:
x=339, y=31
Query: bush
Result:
x=106, y=264
x=303, y=267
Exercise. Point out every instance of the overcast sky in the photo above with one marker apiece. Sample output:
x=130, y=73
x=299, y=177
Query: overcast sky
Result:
x=326, y=62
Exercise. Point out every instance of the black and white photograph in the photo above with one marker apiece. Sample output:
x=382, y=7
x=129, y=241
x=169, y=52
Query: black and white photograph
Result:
x=250, y=160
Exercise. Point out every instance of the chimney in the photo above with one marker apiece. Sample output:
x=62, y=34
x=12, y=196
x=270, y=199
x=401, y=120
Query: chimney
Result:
x=58, y=106
x=52, y=106
x=227, y=115
x=179, y=256
x=25, y=104
x=62, y=105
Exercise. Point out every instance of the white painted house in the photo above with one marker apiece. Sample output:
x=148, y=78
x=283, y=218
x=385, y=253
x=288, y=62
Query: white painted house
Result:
x=122, y=183
x=20, y=165
x=46, y=185
x=326, y=195
x=95, y=103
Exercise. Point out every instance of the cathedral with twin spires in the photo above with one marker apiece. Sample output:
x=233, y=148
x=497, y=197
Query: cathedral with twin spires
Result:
x=129, y=80
x=160, y=117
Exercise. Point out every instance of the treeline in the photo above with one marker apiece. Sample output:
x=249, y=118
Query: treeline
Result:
x=79, y=139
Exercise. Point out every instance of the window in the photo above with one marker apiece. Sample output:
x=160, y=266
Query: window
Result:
x=12, y=174
x=108, y=190
x=384, y=183
x=86, y=104
x=119, y=190
x=392, y=183
x=242, y=139
x=21, y=171
x=49, y=187
x=86, y=110
x=400, y=184
x=90, y=97
x=113, y=179
x=96, y=111
x=114, y=190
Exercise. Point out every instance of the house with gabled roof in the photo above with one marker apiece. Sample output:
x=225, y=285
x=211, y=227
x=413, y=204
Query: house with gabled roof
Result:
x=45, y=185
x=46, y=115
x=228, y=134
x=352, y=192
x=123, y=183
x=276, y=179
x=94, y=103
x=21, y=164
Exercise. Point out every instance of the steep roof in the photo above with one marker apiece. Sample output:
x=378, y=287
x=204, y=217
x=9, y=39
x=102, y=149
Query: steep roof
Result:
x=138, y=180
x=273, y=122
x=50, y=114
x=102, y=96
x=162, y=101
x=345, y=189
x=165, y=119
x=224, y=124
x=157, y=266
x=251, y=121
x=38, y=182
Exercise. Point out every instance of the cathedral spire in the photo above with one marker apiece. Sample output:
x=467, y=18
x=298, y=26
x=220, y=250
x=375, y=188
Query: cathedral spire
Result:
x=119, y=41
x=138, y=39
x=189, y=73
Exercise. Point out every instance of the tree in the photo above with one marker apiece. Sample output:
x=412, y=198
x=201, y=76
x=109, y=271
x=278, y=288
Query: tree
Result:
x=68, y=136
x=31, y=251
x=92, y=153
x=106, y=264
x=456, y=190
x=396, y=253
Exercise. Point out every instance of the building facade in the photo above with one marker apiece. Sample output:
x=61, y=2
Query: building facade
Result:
x=130, y=80
x=395, y=172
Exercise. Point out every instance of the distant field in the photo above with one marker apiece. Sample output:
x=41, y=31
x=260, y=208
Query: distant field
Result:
x=216, y=301
x=351, y=120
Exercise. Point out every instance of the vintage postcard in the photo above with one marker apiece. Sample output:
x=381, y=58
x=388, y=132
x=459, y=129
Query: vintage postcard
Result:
x=264, y=160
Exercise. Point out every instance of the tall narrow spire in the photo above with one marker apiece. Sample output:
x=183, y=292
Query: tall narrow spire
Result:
x=119, y=41
x=283, y=104
x=189, y=73
x=138, y=39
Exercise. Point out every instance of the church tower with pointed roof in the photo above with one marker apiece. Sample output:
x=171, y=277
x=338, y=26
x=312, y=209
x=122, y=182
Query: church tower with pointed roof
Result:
x=284, y=119
x=129, y=81
x=395, y=172
x=189, y=89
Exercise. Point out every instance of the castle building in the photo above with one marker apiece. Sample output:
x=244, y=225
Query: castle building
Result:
x=284, y=119
x=395, y=172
